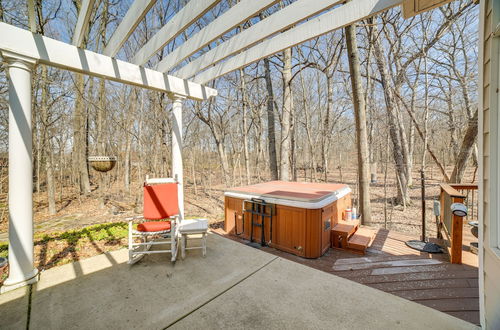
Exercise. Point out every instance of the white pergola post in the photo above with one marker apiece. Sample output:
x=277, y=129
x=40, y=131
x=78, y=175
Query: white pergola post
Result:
x=177, y=168
x=21, y=266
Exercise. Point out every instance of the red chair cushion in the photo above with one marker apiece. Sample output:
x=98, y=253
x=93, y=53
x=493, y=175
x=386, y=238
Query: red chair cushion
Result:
x=160, y=201
x=152, y=226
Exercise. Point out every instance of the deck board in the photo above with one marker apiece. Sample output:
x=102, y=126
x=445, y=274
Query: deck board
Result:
x=428, y=294
x=415, y=276
x=410, y=269
x=419, y=285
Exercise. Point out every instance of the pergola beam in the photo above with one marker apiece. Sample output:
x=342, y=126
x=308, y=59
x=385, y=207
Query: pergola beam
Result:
x=280, y=21
x=347, y=14
x=182, y=20
x=56, y=53
x=138, y=9
x=83, y=22
x=236, y=15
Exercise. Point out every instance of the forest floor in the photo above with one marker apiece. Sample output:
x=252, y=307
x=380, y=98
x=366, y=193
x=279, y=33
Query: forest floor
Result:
x=67, y=237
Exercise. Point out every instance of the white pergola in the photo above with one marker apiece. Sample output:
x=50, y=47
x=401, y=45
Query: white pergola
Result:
x=21, y=50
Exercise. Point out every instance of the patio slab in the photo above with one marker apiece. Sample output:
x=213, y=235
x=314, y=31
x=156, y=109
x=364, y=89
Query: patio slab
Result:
x=149, y=294
x=14, y=309
x=287, y=295
x=234, y=286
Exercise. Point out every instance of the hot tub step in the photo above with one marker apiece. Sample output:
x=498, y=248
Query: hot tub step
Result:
x=341, y=233
x=360, y=240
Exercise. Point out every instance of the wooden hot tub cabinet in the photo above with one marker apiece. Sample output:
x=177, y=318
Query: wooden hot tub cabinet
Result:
x=299, y=226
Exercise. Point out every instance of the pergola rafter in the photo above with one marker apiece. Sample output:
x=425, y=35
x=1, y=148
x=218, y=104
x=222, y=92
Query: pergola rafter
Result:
x=82, y=24
x=135, y=14
x=282, y=20
x=245, y=47
x=182, y=20
x=236, y=15
x=342, y=16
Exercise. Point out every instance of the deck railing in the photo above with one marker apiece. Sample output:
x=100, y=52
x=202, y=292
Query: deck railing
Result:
x=453, y=225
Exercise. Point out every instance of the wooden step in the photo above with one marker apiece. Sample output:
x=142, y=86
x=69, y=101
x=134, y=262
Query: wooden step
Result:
x=341, y=233
x=344, y=229
x=350, y=222
x=360, y=240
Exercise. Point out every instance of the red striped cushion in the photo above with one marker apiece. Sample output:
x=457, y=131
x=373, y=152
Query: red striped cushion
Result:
x=152, y=226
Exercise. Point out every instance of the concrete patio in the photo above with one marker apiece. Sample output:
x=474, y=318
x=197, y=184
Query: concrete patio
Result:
x=235, y=286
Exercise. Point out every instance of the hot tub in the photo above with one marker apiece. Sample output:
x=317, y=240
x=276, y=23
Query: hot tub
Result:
x=297, y=217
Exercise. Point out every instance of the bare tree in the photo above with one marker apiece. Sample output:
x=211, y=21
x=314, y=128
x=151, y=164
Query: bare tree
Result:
x=360, y=118
x=273, y=161
x=80, y=128
x=286, y=117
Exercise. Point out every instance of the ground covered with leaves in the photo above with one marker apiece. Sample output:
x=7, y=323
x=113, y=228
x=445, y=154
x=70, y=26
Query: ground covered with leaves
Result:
x=85, y=226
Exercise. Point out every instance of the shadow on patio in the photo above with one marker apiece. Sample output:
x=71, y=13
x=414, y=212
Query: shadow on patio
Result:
x=234, y=286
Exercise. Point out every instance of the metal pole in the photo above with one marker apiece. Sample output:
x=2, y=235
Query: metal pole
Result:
x=177, y=168
x=422, y=245
x=21, y=267
x=422, y=177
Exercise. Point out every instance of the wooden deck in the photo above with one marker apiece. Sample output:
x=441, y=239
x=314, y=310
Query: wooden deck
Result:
x=389, y=265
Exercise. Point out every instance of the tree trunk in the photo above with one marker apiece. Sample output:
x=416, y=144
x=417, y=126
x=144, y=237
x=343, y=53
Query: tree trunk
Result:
x=465, y=150
x=244, y=124
x=223, y=158
x=361, y=128
x=51, y=188
x=455, y=149
x=271, y=135
x=403, y=197
x=326, y=127
x=80, y=133
x=411, y=149
x=80, y=137
x=100, y=139
x=128, y=140
x=46, y=137
x=286, y=118
x=101, y=148
x=426, y=115
x=293, y=143
x=308, y=131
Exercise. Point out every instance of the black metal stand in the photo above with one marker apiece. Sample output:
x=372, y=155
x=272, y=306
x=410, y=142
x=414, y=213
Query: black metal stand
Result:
x=259, y=211
x=423, y=245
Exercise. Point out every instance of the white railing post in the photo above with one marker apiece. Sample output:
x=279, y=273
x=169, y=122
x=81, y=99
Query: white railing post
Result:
x=177, y=167
x=21, y=266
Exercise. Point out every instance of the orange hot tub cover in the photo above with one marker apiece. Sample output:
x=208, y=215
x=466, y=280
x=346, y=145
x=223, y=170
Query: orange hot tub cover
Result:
x=296, y=194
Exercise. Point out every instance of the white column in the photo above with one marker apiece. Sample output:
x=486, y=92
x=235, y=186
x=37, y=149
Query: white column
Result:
x=177, y=167
x=21, y=267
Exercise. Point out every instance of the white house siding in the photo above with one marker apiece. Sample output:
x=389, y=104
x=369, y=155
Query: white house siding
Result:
x=490, y=277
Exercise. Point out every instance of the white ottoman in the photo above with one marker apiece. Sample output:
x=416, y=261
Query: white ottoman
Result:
x=193, y=227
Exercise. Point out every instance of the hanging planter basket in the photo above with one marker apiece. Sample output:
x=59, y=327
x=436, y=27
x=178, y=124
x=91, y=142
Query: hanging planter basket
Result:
x=102, y=163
